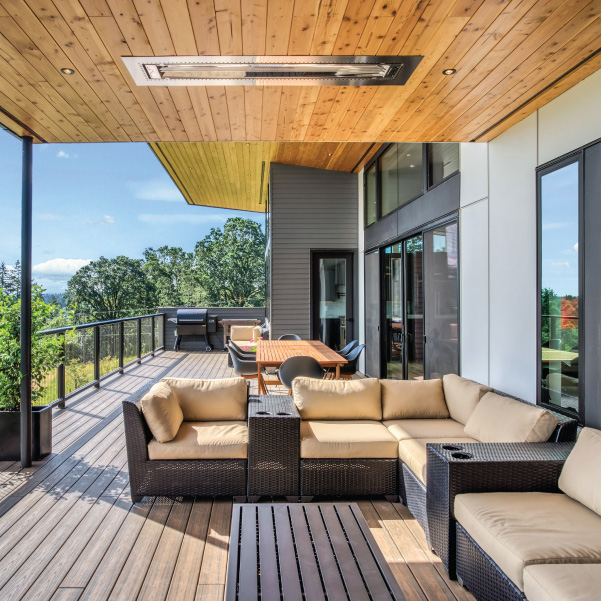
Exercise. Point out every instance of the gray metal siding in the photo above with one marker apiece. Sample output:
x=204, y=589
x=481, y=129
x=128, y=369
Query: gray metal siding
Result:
x=311, y=209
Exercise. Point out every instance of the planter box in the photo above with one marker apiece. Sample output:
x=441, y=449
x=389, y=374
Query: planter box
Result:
x=10, y=433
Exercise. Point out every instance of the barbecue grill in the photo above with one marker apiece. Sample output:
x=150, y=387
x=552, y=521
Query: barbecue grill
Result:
x=195, y=322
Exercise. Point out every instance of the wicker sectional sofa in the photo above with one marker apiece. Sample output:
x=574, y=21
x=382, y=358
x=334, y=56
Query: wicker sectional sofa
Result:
x=542, y=543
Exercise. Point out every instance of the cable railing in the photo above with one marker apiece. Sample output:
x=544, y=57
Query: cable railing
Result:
x=92, y=352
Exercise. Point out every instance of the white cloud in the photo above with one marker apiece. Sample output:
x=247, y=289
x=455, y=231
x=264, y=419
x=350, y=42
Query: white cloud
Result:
x=156, y=189
x=180, y=219
x=575, y=247
x=106, y=220
x=554, y=225
x=560, y=264
x=59, y=269
x=61, y=154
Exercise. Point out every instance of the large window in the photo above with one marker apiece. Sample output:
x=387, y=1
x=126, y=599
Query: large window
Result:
x=559, y=211
x=403, y=172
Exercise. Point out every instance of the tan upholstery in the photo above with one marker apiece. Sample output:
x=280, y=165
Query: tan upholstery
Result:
x=351, y=439
x=425, y=428
x=521, y=529
x=412, y=451
x=462, y=396
x=204, y=440
x=210, y=400
x=500, y=419
x=245, y=333
x=162, y=412
x=581, y=475
x=337, y=399
x=567, y=582
x=407, y=399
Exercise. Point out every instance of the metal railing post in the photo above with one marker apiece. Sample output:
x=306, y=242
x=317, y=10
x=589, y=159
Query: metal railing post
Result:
x=121, y=345
x=140, y=340
x=97, y=356
x=153, y=344
x=60, y=376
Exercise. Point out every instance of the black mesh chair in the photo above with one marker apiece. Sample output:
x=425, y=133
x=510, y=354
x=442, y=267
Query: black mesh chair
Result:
x=241, y=351
x=348, y=370
x=289, y=337
x=298, y=366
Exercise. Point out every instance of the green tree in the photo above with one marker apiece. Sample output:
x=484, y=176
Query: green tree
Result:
x=10, y=279
x=231, y=264
x=45, y=350
x=111, y=288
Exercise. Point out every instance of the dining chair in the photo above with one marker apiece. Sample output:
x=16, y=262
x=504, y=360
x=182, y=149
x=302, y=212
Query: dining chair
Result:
x=294, y=367
x=289, y=337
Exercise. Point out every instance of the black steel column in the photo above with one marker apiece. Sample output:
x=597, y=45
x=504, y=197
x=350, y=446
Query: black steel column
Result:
x=25, y=335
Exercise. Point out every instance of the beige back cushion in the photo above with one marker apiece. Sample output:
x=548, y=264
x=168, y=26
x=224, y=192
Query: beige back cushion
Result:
x=162, y=412
x=581, y=475
x=257, y=333
x=337, y=399
x=406, y=399
x=462, y=396
x=211, y=400
x=245, y=333
x=498, y=418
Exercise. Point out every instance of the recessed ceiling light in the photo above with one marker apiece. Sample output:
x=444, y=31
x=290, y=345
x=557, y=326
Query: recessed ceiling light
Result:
x=329, y=154
x=449, y=72
x=412, y=166
x=68, y=71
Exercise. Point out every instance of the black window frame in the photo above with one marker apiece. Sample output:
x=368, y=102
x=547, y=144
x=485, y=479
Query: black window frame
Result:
x=575, y=157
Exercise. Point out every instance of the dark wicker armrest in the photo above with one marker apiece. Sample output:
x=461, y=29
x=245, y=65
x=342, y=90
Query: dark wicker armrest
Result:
x=137, y=437
x=491, y=467
x=273, y=446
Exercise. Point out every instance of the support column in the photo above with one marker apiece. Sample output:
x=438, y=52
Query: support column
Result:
x=25, y=336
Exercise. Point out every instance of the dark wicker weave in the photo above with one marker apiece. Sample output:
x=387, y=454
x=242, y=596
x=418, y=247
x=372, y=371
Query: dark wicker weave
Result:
x=413, y=494
x=198, y=477
x=273, y=446
x=493, y=467
x=480, y=574
x=346, y=477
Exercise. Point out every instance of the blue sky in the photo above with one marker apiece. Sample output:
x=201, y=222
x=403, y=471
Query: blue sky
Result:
x=92, y=200
x=560, y=230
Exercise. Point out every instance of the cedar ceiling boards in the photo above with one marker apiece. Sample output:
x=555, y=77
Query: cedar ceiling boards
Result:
x=234, y=175
x=511, y=56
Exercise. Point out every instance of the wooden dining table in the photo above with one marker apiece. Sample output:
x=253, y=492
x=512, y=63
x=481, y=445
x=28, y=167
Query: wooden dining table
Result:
x=272, y=353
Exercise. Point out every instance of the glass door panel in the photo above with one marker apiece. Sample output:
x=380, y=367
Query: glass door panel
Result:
x=414, y=307
x=393, y=276
x=441, y=306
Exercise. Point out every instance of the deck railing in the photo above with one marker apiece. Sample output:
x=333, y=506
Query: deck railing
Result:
x=94, y=351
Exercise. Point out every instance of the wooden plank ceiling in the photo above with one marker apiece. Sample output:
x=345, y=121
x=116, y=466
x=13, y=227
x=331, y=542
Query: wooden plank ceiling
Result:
x=511, y=56
x=234, y=175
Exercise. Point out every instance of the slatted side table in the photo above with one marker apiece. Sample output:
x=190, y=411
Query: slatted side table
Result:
x=306, y=552
x=273, y=447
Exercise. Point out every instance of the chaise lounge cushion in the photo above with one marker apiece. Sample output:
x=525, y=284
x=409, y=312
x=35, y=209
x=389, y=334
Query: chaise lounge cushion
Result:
x=444, y=429
x=412, y=451
x=581, y=474
x=338, y=399
x=245, y=333
x=352, y=439
x=462, y=396
x=204, y=440
x=211, y=400
x=162, y=412
x=566, y=582
x=406, y=399
x=501, y=419
x=520, y=529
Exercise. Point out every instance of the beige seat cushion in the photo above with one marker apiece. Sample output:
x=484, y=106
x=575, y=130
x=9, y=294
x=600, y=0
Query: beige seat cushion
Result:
x=425, y=428
x=581, y=474
x=245, y=333
x=335, y=439
x=211, y=400
x=204, y=440
x=568, y=582
x=498, y=418
x=162, y=412
x=412, y=451
x=407, y=399
x=520, y=529
x=337, y=399
x=462, y=396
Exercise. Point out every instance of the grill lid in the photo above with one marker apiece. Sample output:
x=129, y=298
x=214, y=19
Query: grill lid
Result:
x=192, y=315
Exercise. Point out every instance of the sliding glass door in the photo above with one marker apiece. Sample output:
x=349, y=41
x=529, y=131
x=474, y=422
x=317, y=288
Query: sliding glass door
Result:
x=421, y=320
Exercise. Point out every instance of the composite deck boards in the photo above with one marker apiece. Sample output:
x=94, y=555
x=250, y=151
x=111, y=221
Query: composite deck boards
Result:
x=69, y=531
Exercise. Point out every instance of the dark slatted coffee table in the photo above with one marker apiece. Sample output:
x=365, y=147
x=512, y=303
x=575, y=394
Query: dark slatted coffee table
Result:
x=305, y=552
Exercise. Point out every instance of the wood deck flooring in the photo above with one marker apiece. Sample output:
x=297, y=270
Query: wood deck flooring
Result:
x=69, y=531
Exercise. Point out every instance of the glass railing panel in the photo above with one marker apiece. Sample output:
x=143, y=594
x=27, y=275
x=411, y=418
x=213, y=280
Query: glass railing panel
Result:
x=130, y=341
x=109, y=348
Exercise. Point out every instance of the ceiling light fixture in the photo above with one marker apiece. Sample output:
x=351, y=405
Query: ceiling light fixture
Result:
x=271, y=70
x=68, y=71
x=449, y=72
